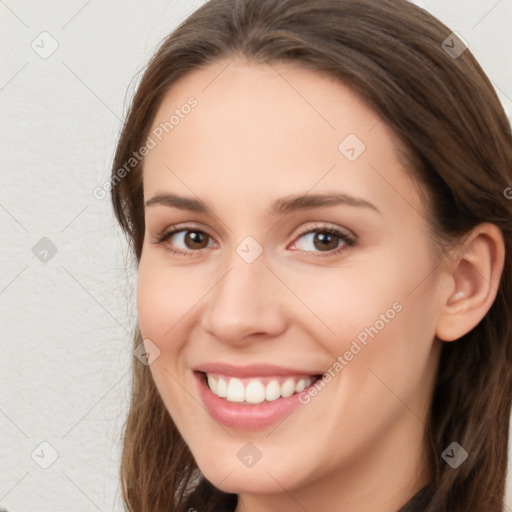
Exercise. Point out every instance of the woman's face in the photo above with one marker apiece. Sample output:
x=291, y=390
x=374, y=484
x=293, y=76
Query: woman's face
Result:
x=303, y=250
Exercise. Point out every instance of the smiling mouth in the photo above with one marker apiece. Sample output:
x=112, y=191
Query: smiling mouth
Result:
x=257, y=390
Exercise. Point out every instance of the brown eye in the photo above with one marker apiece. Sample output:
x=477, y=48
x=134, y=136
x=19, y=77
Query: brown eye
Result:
x=326, y=240
x=195, y=239
x=185, y=240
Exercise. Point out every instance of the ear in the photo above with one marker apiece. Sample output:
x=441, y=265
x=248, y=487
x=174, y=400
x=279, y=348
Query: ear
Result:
x=474, y=277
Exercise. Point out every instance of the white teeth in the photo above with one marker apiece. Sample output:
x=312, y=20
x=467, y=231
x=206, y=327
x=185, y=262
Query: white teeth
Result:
x=272, y=391
x=288, y=387
x=301, y=385
x=255, y=392
x=212, y=383
x=236, y=391
x=222, y=388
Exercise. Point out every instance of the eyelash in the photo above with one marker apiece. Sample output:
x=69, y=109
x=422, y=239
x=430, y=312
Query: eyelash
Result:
x=347, y=239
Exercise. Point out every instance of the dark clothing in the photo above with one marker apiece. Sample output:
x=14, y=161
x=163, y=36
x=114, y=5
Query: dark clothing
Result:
x=222, y=502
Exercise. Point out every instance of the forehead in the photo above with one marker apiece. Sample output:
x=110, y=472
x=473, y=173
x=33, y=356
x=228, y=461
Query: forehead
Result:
x=271, y=127
x=263, y=102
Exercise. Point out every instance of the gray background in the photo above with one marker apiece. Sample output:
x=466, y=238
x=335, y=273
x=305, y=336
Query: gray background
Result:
x=66, y=318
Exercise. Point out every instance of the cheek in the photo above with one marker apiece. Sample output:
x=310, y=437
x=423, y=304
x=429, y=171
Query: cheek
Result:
x=341, y=303
x=381, y=312
x=164, y=296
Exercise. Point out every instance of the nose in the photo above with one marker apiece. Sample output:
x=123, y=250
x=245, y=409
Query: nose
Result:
x=247, y=301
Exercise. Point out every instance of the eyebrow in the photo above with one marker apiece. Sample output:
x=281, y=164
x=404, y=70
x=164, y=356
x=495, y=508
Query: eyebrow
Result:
x=280, y=206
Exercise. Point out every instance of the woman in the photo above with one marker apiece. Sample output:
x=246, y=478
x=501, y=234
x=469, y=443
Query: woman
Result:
x=315, y=194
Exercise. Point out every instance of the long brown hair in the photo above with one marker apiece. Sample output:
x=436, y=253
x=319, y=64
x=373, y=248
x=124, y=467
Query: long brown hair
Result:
x=458, y=140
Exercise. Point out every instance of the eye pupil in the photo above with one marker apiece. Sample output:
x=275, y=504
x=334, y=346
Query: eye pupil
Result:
x=326, y=241
x=196, y=238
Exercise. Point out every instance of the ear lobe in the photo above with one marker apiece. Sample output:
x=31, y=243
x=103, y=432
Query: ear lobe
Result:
x=475, y=276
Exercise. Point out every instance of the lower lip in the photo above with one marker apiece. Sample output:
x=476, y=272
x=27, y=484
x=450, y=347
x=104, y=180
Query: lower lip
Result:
x=253, y=417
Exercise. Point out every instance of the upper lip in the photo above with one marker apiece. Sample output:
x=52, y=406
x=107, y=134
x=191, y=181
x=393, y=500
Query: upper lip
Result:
x=251, y=370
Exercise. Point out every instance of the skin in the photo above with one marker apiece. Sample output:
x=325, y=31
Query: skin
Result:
x=260, y=133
